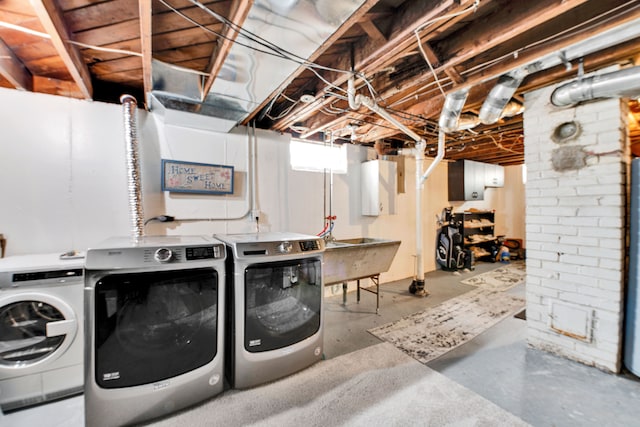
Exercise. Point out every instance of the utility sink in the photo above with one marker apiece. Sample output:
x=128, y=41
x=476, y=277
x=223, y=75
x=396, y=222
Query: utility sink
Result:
x=357, y=258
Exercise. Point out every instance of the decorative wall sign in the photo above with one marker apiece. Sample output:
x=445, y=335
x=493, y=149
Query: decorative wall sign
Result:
x=188, y=177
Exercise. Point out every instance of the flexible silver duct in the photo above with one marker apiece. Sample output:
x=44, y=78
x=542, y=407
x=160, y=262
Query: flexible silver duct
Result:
x=134, y=186
x=500, y=95
x=451, y=110
x=622, y=83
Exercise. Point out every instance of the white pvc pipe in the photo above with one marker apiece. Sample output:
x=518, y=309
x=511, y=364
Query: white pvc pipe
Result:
x=253, y=146
x=419, y=156
x=355, y=101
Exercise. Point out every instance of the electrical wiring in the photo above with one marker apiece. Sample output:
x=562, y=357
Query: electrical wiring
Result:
x=473, y=8
x=272, y=49
x=73, y=42
x=255, y=38
x=585, y=26
x=105, y=49
x=284, y=112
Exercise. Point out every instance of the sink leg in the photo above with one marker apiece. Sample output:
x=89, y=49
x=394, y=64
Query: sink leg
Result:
x=358, y=291
x=344, y=293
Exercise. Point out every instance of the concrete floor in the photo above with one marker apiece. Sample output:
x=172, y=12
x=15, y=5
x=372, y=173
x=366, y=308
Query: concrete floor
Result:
x=539, y=388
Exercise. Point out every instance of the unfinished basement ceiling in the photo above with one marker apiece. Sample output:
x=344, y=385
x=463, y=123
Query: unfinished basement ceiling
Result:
x=96, y=49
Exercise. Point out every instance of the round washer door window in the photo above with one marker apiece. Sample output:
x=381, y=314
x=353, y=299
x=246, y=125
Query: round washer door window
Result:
x=34, y=328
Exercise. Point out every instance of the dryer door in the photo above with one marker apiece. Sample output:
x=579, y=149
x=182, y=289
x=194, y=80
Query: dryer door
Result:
x=34, y=328
x=283, y=303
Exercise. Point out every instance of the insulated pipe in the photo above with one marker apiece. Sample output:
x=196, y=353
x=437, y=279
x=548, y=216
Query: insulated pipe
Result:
x=620, y=83
x=134, y=186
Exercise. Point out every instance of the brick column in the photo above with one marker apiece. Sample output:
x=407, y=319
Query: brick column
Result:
x=575, y=228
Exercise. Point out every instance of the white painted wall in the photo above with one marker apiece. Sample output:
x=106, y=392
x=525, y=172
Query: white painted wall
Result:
x=62, y=173
x=63, y=184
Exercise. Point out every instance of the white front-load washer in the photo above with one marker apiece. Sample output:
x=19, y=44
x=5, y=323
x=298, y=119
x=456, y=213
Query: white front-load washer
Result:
x=41, y=329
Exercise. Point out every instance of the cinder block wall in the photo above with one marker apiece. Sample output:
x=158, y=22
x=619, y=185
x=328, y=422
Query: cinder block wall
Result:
x=576, y=229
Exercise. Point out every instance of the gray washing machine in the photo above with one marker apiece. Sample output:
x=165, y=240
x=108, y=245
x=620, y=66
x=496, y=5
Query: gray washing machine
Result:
x=275, y=293
x=41, y=329
x=155, y=312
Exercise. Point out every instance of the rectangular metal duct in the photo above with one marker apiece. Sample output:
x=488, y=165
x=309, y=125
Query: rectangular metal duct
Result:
x=249, y=76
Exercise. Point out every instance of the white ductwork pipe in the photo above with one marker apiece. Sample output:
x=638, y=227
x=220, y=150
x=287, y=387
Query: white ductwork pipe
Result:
x=355, y=102
x=493, y=107
x=622, y=83
x=134, y=185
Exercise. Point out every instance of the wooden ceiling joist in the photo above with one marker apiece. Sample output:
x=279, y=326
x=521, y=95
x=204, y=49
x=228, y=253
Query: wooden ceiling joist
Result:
x=353, y=19
x=371, y=55
x=144, y=8
x=239, y=12
x=51, y=19
x=13, y=70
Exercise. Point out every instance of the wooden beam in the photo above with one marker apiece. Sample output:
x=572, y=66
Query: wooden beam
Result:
x=553, y=46
x=13, y=70
x=372, y=55
x=372, y=31
x=346, y=26
x=50, y=17
x=56, y=87
x=510, y=21
x=238, y=14
x=144, y=8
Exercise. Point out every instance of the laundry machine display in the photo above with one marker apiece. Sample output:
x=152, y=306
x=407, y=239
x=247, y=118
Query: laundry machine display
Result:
x=155, y=317
x=41, y=329
x=275, y=305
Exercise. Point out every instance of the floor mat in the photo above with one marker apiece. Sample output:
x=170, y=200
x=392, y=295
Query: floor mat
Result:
x=500, y=279
x=432, y=332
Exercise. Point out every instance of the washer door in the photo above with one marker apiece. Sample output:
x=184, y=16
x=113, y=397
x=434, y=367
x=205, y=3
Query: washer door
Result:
x=34, y=329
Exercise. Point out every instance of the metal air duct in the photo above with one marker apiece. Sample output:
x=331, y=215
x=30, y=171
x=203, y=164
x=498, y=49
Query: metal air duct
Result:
x=622, y=83
x=451, y=110
x=134, y=186
x=500, y=95
x=251, y=71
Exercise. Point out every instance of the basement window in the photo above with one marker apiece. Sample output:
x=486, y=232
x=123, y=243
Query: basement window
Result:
x=317, y=157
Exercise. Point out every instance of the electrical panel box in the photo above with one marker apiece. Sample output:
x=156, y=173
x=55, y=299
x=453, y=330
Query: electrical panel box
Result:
x=378, y=180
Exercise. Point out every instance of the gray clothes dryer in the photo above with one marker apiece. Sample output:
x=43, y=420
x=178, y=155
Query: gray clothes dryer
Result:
x=274, y=291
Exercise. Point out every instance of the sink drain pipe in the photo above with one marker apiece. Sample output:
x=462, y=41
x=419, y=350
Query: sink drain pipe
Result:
x=355, y=102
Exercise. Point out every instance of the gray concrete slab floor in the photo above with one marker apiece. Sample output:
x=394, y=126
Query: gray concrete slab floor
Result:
x=540, y=388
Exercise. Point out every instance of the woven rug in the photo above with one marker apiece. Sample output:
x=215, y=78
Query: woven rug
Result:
x=500, y=279
x=432, y=332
